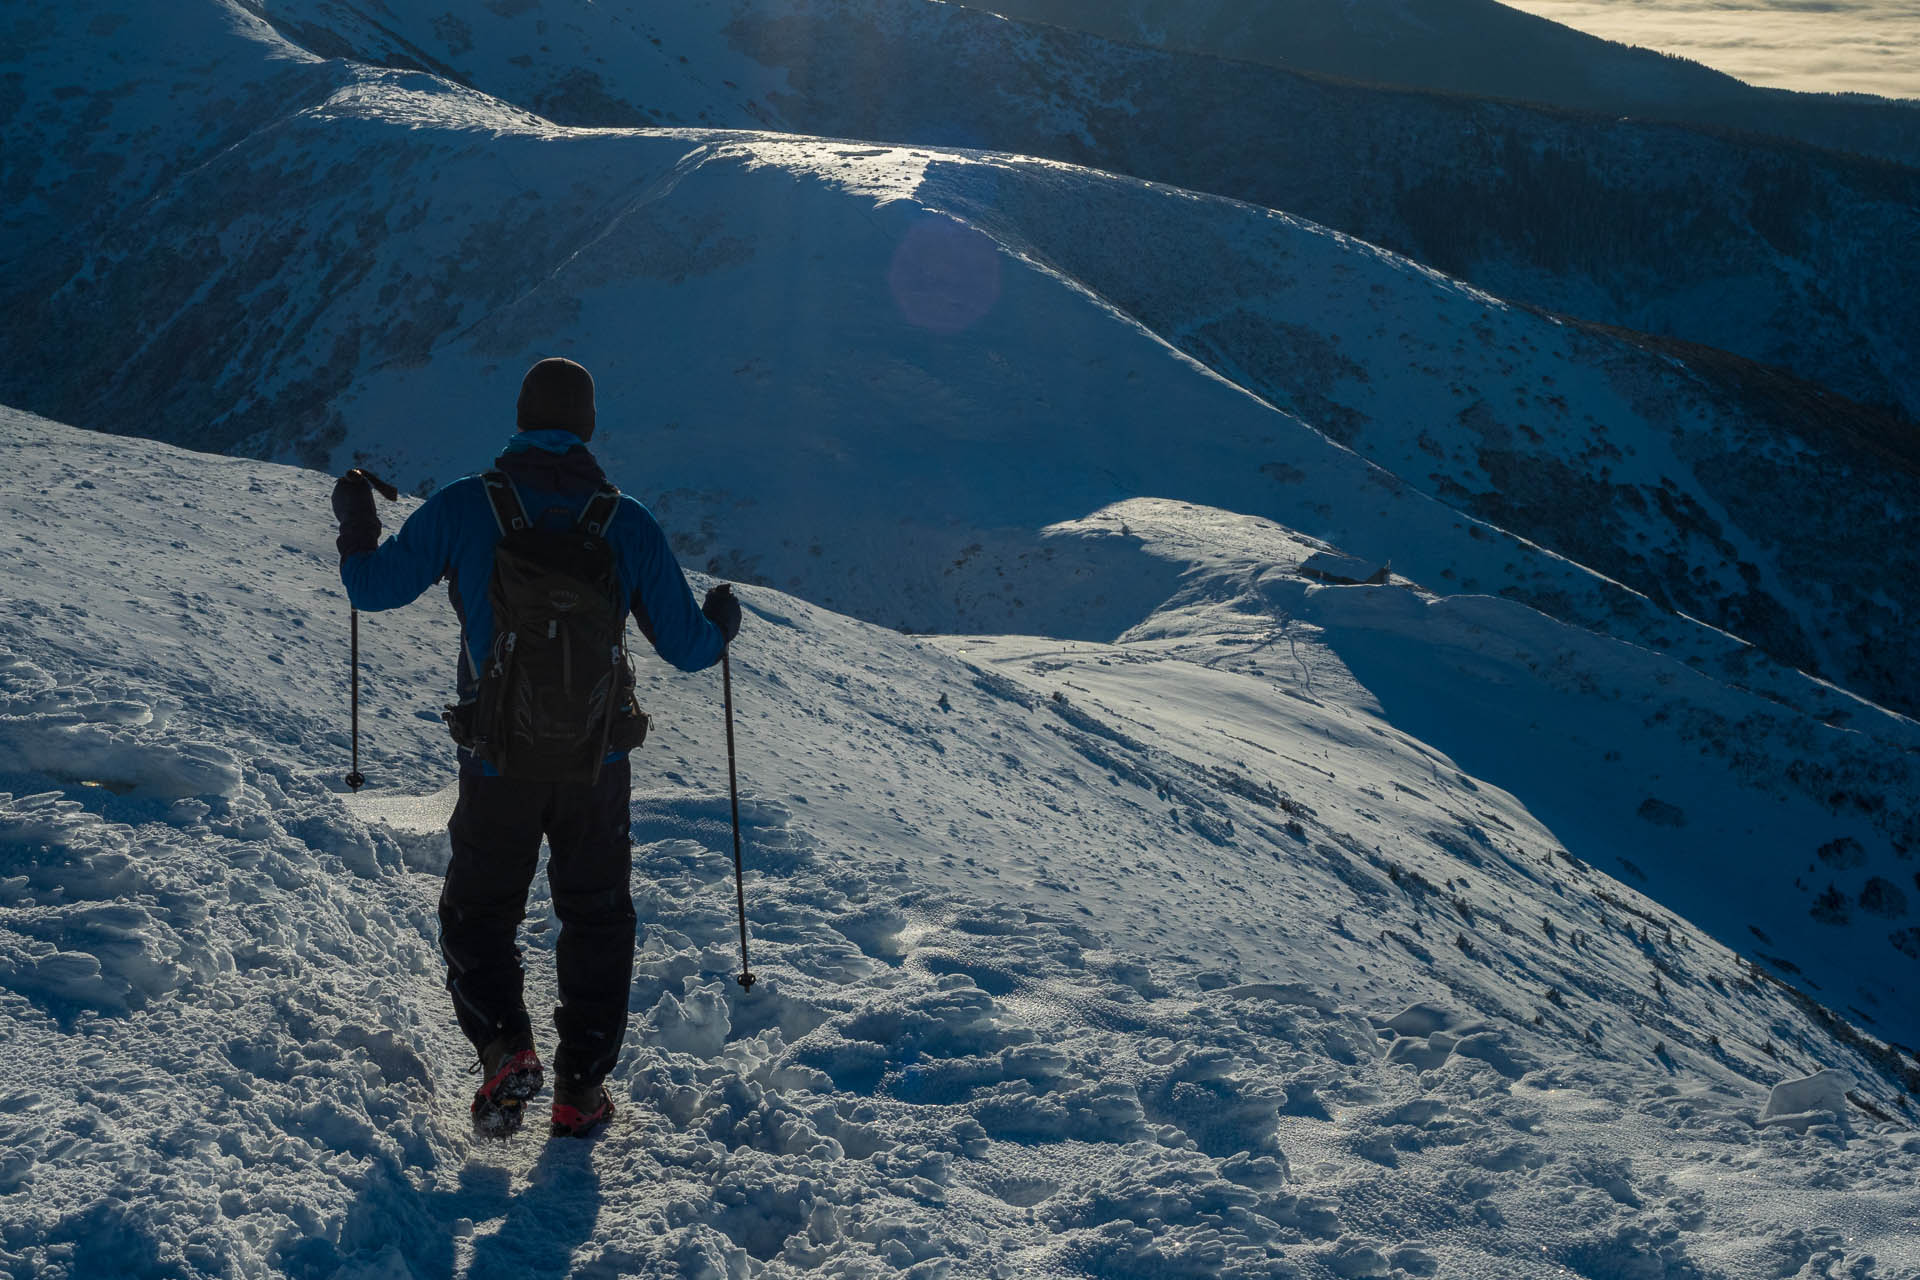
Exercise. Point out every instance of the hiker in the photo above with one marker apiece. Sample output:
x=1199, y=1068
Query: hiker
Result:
x=544, y=559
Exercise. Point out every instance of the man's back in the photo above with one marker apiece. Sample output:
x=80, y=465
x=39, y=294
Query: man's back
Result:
x=465, y=536
x=454, y=535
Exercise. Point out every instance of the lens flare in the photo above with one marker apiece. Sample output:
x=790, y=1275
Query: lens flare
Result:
x=945, y=276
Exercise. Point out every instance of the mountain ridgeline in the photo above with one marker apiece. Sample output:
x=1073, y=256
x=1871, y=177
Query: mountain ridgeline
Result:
x=1487, y=50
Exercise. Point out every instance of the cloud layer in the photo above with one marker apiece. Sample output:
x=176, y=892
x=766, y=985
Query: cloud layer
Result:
x=1820, y=46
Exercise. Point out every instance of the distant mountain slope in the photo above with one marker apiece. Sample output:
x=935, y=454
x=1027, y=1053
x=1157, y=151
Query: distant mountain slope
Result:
x=366, y=278
x=91, y=125
x=1487, y=50
x=1772, y=250
x=1706, y=482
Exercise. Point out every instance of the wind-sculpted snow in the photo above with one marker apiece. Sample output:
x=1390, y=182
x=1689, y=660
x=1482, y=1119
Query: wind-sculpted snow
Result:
x=1179, y=956
x=1671, y=780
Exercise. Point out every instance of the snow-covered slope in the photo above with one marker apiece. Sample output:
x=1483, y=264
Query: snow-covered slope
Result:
x=366, y=275
x=1178, y=956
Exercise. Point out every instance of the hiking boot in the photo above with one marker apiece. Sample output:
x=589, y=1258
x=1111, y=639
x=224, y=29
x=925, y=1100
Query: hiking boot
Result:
x=512, y=1071
x=580, y=1108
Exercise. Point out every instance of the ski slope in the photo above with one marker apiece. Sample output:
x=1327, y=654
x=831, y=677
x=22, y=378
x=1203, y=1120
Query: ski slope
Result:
x=1188, y=954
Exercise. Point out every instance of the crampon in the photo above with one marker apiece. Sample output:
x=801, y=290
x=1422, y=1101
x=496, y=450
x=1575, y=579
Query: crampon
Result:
x=500, y=1103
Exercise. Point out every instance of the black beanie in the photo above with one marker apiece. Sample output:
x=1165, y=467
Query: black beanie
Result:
x=557, y=393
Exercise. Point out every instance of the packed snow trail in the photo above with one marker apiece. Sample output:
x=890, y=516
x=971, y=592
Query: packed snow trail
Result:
x=1039, y=995
x=920, y=1078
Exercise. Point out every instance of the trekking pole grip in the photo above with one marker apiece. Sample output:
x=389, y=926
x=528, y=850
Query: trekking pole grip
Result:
x=746, y=978
x=355, y=779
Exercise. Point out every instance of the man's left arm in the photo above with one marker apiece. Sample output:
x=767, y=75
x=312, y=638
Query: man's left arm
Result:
x=682, y=632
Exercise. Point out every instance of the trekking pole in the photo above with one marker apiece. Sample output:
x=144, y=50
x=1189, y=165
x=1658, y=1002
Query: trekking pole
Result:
x=733, y=786
x=356, y=779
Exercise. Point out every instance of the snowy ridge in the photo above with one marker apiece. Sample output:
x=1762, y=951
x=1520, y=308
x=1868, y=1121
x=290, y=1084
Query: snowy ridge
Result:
x=1078, y=959
x=1766, y=248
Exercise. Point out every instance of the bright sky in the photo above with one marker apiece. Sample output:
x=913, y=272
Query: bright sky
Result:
x=1822, y=46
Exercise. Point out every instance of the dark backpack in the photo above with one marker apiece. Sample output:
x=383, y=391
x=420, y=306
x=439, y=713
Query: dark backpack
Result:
x=556, y=692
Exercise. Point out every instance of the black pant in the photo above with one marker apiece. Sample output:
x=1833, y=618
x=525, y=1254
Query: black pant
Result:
x=496, y=830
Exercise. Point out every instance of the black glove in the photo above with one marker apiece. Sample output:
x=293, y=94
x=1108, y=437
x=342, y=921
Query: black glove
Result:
x=723, y=611
x=353, y=508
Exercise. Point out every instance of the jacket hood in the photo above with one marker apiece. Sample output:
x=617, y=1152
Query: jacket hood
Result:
x=553, y=461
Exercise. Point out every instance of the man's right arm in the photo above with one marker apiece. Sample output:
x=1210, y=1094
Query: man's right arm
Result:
x=397, y=571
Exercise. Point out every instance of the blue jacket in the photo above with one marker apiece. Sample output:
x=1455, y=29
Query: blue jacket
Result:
x=452, y=536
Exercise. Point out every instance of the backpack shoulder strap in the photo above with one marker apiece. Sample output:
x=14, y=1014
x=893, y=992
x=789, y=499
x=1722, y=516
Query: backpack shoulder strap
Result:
x=508, y=511
x=600, y=510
